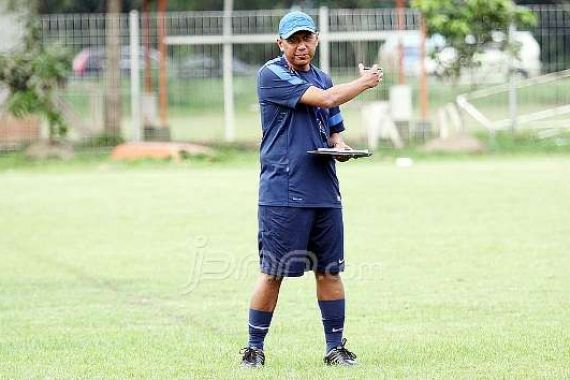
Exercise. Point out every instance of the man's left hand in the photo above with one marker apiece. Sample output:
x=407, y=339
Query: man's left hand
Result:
x=341, y=145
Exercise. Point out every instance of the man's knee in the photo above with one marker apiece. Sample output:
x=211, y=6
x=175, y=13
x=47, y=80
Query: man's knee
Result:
x=327, y=277
x=270, y=280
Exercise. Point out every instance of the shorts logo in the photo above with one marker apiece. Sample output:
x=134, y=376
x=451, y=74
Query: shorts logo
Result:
x=340, y=261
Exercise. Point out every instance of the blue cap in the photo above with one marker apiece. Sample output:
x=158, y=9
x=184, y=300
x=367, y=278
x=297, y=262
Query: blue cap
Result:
x=294, y=22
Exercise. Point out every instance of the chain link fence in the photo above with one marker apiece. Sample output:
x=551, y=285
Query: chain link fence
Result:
x=194, y=70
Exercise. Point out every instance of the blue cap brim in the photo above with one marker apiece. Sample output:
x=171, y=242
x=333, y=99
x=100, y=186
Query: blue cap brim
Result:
x=298, y=29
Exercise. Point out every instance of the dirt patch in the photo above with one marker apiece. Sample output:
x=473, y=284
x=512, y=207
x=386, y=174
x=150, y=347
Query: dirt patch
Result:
x=159, y=150
x=462, y=143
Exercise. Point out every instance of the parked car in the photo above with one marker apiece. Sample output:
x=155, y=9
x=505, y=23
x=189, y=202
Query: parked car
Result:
x=91, y=60
x=492, y=64
x=203, y=66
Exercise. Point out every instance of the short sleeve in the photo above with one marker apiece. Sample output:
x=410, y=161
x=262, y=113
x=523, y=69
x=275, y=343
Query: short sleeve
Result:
x=335, y=121
x=277, y=85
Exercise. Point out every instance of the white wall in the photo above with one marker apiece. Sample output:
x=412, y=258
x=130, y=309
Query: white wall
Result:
x=12, y=28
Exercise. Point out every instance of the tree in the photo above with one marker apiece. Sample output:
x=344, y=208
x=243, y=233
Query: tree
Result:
x=467, y=25
x=32, y=74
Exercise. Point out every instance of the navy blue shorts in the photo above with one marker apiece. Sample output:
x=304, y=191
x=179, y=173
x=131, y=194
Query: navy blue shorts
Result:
x=293, y=240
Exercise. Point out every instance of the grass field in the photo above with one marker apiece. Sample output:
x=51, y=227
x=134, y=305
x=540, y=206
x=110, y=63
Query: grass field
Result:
x=455, y=269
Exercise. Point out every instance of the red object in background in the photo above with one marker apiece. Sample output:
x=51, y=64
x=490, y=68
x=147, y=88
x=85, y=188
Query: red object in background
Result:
x=80, y=62
x=91, y=60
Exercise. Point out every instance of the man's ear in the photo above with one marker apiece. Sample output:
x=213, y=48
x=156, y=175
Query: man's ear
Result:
x=280, y=44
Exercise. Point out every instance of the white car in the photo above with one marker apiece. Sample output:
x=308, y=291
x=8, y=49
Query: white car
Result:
x=493, y=64
x=490, y=65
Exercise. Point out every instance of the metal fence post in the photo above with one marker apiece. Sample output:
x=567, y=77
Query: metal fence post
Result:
x=324, y=39
x=512, y=80
x=135, y=75
x=229, y=111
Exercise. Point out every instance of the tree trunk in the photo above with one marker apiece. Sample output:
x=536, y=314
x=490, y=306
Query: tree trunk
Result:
x=112, y=107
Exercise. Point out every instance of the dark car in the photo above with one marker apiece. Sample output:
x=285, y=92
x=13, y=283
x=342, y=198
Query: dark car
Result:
x=202, y=66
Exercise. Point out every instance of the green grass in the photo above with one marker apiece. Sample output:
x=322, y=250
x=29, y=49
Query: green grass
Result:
x=455, y=269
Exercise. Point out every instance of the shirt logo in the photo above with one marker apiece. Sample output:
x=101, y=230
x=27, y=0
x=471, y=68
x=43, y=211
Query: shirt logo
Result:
x=297, y=199
x=337, y=330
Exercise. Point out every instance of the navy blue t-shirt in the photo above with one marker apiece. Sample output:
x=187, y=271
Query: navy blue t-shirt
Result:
x=289, y=175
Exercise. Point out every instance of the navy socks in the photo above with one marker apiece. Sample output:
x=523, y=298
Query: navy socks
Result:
x=259, y=322
x=332, y=313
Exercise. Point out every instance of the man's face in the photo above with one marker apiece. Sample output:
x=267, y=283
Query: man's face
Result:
x=299, y=49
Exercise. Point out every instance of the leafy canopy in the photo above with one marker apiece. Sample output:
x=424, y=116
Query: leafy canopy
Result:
x=467, y=25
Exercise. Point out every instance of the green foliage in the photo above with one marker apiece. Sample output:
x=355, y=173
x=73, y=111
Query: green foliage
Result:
x=31, y=76
x=468, y=24
x=103, y=140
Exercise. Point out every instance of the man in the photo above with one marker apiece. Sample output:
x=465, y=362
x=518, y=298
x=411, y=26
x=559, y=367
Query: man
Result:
x=300, y=215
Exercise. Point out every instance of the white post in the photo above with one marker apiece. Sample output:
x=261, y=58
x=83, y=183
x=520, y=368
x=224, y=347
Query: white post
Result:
x=229, y=112
x=136, y=118
x=512, y=80
x=324, y=39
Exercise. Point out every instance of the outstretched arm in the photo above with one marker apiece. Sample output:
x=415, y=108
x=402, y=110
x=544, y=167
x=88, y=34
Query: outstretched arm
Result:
x=342, y=93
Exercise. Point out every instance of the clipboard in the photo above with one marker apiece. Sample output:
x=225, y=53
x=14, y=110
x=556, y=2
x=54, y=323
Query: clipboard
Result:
x=333, y=152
